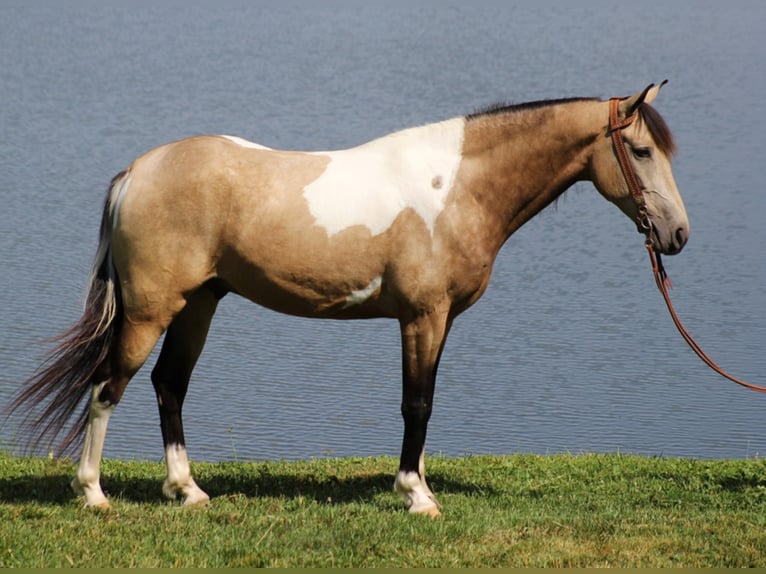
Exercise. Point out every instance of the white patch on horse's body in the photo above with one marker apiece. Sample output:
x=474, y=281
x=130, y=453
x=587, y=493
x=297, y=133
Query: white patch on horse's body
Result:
x=118, y=190
x=245, y=143
x=372, y=184
x=361, y=295
x=179, y=479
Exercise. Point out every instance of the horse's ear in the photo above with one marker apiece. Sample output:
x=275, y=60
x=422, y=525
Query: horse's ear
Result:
x=653, y=91
x=629, y=105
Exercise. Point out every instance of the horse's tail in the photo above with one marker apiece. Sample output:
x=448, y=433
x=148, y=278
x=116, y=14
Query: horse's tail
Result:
x=52, y=395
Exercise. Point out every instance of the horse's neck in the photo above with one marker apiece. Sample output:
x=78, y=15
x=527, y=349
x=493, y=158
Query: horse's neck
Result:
x=523, y=161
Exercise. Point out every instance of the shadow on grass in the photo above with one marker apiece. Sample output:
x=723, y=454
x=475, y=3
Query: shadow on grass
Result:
x=50, y=484
x=49, y=489
x=54, y=488
x=741, y=482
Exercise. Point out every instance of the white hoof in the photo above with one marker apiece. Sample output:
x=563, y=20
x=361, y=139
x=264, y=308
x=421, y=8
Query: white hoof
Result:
x=190, y=492
x=199, y=499
x=94, y=496
x=417, y=495
x=431, y=510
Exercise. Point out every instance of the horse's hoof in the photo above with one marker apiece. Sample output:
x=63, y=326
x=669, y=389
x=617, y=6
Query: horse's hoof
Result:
x=431, y=511
x=196, y=497
x=197, y=502
x=94, y=498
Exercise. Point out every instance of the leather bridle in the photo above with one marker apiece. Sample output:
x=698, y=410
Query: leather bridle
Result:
x=645, y=226
x=615, y=129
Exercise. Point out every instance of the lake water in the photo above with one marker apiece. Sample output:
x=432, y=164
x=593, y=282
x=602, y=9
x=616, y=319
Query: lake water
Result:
x=571, y=348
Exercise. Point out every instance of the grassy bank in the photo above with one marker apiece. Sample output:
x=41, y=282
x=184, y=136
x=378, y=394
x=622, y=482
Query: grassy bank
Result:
x=520, y=510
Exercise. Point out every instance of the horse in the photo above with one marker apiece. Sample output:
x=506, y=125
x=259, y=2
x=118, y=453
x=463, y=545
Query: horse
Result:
x=406, y=226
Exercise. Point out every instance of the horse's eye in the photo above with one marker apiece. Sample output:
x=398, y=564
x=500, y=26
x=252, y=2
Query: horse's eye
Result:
x=642, y=152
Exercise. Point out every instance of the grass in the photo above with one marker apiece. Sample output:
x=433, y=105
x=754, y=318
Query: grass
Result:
x=519, y=510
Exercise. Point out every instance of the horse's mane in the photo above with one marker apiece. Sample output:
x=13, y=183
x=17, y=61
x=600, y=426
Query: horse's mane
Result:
x=500, y=108
x=651, y=118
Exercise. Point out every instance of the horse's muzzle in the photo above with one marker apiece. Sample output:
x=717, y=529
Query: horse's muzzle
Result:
x=672, y=244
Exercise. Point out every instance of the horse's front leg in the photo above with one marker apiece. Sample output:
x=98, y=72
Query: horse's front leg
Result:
x=422, y=343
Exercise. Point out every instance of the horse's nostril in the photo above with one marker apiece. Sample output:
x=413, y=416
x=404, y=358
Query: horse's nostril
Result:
x=681, y=236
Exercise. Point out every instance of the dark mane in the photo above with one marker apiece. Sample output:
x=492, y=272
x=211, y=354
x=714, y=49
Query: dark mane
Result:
x=505, y=108
x=650, y=117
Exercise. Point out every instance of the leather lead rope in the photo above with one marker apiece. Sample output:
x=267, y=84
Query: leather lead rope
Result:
x=644, y=225
x=661, y=278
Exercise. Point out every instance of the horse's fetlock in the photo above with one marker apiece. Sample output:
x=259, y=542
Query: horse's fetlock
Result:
x=77, y=486
x=85, y=477
x=169, y=489
x=406, y=481
x=87, y=484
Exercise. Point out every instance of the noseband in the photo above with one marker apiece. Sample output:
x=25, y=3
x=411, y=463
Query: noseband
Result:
x=645, y=226
x=615, y=129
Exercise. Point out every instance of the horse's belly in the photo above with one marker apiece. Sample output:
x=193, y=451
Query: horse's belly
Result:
x=310, y=294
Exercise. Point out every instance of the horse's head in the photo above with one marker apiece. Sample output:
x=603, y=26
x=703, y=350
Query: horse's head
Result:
x=648, y=146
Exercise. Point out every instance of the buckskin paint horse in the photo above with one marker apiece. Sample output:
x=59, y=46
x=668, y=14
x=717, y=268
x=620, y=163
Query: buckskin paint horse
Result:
x=406, y=226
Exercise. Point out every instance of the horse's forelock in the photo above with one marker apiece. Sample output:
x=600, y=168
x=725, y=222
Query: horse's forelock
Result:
x=658, y=129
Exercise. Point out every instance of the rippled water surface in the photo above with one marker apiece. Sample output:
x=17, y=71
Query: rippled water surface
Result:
x=571, y=348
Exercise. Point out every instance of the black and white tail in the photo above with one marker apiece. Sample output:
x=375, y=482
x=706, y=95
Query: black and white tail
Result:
x=50, y=398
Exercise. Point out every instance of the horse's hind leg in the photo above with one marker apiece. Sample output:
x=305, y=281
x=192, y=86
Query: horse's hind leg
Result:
x=133, y=345
x=180, y=350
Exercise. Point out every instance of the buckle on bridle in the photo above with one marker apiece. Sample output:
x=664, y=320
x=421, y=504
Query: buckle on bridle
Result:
x=644, y=223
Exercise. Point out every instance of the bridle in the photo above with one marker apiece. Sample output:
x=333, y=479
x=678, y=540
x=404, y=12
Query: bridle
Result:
x=645, y=226
x=615, y=129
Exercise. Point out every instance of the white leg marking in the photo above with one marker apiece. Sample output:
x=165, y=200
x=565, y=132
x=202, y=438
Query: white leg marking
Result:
x=179, y=479
x=372, y=184
x=361, y=295
x=87, y=480
x=417, y=495
x=413, y=488
x=422, y=471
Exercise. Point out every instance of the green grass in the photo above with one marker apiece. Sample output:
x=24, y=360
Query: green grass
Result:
x=519, y=510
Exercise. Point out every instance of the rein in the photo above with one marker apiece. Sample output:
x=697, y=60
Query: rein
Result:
x=644, y=226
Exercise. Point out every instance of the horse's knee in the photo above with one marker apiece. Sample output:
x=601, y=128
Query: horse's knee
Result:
x=416, y=411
